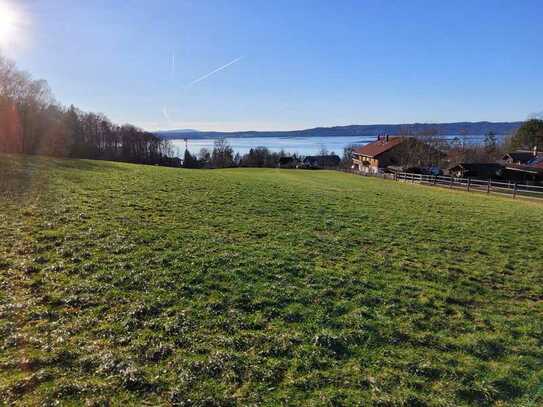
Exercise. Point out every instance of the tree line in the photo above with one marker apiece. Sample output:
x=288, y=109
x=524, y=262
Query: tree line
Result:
x=528, y=137
x=423, y=149
x=33, y=122
x=426, y=148
x=223, y=156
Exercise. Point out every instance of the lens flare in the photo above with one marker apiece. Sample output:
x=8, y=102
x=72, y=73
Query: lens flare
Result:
x=9, y=24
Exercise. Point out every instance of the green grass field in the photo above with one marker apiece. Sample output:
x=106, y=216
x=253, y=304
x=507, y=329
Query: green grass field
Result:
x=132, y=284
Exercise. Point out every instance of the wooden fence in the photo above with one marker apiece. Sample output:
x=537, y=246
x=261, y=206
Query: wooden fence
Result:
x=467, y=184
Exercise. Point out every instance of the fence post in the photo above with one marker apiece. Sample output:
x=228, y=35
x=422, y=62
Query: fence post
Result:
x=435, y=179
x=515, y=191
x=451, y=183
x=469, y=183
x=488, y=185
x=412, y=178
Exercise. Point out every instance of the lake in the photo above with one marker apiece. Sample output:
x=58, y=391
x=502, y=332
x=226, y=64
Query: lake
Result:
x=298, y=145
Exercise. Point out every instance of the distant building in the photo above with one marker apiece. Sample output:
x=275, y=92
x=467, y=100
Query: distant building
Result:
x=321, y=161
x=524, y=166
x=477, y=170
x=429, y=170
x=288, y=162
x=518, y=173
x=537, y=162
x=376, y=156
x=395, y=154
x=521, y=156
x=524, y=174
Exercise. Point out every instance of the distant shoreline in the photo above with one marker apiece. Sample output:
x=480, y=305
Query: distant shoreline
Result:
x=364, y=131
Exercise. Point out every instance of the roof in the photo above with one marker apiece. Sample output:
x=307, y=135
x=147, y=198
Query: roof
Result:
x=323, y=160
x=378, y=147
x=537, y=162
x=478, y=168
x=521, y=156
x=525, y=168
x=322, y=157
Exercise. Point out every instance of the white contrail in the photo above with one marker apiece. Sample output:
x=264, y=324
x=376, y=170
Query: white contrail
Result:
x=207, y=75
x=165, y=113
x=172, y=65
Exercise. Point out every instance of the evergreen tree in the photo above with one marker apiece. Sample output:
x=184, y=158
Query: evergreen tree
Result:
x=529, y=135
x=189, y=161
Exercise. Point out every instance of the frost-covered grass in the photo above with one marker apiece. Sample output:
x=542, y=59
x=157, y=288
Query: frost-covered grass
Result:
x=134, y=284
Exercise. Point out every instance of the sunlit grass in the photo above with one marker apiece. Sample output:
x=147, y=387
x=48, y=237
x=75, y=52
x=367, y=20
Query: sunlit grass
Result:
x=259, y=286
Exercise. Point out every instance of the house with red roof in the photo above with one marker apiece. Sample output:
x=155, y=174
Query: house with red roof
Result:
x=376, y=156
x=393, y=152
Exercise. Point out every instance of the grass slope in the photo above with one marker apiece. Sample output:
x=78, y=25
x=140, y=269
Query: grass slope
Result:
x=134, y=284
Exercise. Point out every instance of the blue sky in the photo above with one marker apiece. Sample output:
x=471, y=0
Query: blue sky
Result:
x=294, y=64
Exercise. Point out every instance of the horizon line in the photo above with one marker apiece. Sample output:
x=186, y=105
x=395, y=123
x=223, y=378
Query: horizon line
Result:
x=192, y=131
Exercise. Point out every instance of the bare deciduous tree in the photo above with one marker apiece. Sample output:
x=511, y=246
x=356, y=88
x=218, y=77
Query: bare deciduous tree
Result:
x=32, y=122
x=222, y=155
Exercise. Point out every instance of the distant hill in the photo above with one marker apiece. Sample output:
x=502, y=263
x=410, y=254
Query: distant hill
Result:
x=370, y=130
x=180, y=131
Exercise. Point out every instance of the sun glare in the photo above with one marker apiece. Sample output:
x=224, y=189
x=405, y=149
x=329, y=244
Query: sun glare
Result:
x=9, y=22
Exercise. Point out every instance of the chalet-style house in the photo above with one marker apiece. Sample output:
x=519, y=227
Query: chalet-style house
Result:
x=529, y=173
x=524, y=166
x=376, y=156
x=395, y=154
x=321, y=161
x=518, y=173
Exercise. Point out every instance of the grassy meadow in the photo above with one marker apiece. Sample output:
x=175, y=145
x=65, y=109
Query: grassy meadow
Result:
x=130, y=285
